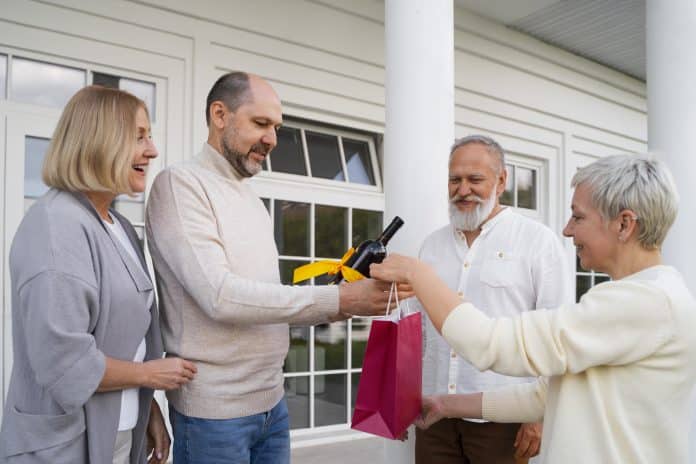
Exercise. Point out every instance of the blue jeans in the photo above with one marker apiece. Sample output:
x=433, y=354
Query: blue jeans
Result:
x=259, y=439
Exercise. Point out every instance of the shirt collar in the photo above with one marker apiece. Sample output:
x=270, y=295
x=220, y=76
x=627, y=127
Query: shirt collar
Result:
x=216, y=162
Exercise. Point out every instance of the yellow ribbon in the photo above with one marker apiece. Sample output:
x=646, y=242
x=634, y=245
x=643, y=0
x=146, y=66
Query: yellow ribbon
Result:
x=327, y=267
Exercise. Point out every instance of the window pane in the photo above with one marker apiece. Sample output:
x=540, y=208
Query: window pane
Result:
x=297, y=397
x=598, y=279
x=291, y=224
x=267, y=204
x=330, y=346
x=357, y=153
x=355, y=380
x=367, y=225
x=359, y=335
x=324, y=156
x=330, y=399
x=298, y=354
x=34, y=154
x=526, y=187
x=143, y=90
x=43, y=83
x=582, y=285
x=3, y=75
x=330, y=233
x=287, y=156
x=508, y=196
x=287, y=268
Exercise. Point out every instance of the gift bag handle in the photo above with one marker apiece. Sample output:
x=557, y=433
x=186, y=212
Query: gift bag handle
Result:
x=393, y=291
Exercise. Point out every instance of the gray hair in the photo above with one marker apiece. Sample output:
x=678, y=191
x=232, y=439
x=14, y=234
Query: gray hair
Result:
x=232, y=89
x=639, y=183
x=494, y=149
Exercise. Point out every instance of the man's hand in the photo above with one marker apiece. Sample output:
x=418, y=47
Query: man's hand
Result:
x=368, y=297
x=528, y=441
x=158, y=440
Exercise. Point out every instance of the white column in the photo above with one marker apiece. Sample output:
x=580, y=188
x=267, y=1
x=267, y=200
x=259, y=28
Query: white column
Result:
x=419, y=41
x=671, y=79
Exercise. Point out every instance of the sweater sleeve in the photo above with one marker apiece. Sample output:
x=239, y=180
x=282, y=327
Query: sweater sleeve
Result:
x=524, y=402
x=55, y=316
x=614, y=323
x=183, y=234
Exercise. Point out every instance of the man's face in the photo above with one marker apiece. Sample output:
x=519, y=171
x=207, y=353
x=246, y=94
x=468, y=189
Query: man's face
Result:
x=250, y=132
x=476, y=181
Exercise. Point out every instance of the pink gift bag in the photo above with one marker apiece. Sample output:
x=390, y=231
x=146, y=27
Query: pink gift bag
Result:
x=389, y=393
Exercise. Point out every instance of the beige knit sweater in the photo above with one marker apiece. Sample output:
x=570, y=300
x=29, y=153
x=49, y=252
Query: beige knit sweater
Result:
x=223, y=306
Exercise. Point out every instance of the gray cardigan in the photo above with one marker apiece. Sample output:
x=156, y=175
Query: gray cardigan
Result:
x=77, y=296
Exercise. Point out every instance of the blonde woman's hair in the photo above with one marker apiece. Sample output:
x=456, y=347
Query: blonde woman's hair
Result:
x=94, y=141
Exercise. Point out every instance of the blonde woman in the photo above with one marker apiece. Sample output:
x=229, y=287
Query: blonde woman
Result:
x=621, y=363
x=87, y=352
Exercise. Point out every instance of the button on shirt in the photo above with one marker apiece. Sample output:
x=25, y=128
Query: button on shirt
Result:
x=516, y=264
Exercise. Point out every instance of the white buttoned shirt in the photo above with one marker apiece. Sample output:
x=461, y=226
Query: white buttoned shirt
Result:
x=516, y=264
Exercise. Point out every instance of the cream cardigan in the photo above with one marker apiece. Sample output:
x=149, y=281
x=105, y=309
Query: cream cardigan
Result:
x=621, y=365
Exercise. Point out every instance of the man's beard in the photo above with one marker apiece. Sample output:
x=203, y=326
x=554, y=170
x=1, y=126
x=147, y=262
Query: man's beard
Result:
x=471, y=220
x=242, y=162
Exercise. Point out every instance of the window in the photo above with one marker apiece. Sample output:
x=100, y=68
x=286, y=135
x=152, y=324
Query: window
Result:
x=141, y=89
x=324, y=362
x=325, y=153
x=34, y=154
x=44, y=84
x=3, y=75
x=521, y=189
x=584, y=280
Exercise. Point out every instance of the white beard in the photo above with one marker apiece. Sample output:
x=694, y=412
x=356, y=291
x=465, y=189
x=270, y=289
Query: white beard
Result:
x=471, y=220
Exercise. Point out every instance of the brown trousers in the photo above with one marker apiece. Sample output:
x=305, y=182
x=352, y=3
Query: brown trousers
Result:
x=456, y=441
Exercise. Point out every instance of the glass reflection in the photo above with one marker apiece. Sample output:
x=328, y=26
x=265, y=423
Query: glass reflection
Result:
x=291, y=227
x=287, y=269
x=34, y=153
x=330, y=346
x=330, y=234
x=288, y=156
x=357, y=153
x=359, y=335
x=297, y=359
x=367, y=225
x=297, y=397
x=582, y=285
x=526, y=187
x=324, y=157
x=330, y=399
x=508, y=196
x=43, y=83
x=355, y=383
x=144, y=91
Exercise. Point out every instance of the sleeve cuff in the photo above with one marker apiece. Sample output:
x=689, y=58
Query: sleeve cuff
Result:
x=80, y=382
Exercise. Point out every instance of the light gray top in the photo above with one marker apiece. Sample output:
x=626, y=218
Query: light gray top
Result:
x=77, y=296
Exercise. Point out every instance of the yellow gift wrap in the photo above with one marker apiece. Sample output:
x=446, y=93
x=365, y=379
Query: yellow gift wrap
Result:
x=327, y=267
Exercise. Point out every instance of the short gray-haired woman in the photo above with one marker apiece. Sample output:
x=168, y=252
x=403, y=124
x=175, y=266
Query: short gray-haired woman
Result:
x=87, y=352
x=621, y=363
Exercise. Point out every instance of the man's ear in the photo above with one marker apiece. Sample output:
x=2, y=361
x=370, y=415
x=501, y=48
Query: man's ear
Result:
x=502, y=181
x=218, y=111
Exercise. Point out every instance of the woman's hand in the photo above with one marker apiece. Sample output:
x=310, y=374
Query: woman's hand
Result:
x=395, y=268
x=432, y=411
x=167, y=373
x=158, y=440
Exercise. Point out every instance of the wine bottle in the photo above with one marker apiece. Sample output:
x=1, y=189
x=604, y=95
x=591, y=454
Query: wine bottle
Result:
x=370, y=251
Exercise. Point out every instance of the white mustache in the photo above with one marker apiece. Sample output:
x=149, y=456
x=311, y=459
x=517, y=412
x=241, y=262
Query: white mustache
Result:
x=470, y=197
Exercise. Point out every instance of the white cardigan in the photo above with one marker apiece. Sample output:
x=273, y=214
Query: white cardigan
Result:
x=621, y=365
